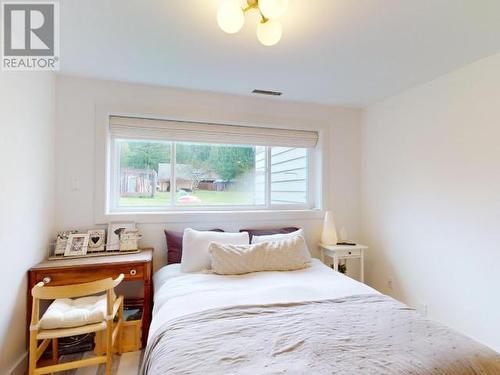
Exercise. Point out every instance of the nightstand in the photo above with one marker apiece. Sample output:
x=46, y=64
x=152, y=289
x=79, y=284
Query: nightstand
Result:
x=339, y=252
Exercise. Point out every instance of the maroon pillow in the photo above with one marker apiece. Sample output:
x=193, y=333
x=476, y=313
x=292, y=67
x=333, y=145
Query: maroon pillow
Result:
x=174, y=245
x=268, y=231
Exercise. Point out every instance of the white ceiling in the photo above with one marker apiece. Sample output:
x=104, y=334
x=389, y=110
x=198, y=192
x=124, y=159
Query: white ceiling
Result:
x=344, y=52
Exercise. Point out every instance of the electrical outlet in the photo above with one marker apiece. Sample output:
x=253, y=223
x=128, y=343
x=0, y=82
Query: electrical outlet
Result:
x=422, y=308
x=389, y=284
x=75, y=186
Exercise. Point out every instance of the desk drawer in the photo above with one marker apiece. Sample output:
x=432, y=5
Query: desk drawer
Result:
x=63, y=276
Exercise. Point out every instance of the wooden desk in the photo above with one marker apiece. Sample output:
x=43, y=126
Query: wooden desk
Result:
x=136, y=266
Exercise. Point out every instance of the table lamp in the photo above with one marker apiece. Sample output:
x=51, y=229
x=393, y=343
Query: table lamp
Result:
x=329, y=235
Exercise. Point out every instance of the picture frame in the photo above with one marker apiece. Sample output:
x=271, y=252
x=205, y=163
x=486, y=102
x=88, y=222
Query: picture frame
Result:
x=128, y=240
x=77, y=244
x=113, y=239
x=62, y=241
x=97, y=240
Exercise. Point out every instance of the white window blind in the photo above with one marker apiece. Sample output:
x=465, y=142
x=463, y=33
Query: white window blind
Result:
x=149, y=129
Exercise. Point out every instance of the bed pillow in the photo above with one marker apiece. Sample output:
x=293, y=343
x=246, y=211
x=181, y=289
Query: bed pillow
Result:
x=195, y=255
x=174, y=245
x=268, y=231
x=286, y=255
x=277, y=236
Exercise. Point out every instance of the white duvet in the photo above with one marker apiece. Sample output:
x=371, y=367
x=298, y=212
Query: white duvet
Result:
x=310, y=321
x=178, y=294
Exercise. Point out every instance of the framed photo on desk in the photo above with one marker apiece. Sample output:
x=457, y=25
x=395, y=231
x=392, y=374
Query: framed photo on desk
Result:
x=113, y=240
x=77, y=244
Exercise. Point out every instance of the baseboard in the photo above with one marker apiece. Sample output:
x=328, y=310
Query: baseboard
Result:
x=21, y=367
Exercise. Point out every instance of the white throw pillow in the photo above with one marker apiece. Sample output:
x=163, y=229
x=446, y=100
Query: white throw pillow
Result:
x=285, y=255
x=195, y=255
x=279, y=236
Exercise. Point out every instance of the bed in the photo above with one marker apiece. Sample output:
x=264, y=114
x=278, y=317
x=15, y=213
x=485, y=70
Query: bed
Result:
x=309, y=321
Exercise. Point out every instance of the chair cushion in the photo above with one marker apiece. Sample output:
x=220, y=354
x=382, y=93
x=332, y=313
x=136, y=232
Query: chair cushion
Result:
x=66, y=312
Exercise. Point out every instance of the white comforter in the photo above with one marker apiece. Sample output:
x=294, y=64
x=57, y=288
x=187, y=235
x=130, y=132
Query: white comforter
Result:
x=311, y=321
x=178, y=294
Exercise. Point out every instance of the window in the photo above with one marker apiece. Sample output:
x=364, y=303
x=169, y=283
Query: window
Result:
x=157, y=165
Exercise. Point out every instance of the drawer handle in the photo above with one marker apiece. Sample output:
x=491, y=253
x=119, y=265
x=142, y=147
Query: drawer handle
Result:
x=46, y=280
x=350, y=253
x=133, y=272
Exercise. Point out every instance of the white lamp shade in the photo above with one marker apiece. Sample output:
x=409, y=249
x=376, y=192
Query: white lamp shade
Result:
x=273, y=9
x=230, y=16
x=269, y=33
x=329, y=235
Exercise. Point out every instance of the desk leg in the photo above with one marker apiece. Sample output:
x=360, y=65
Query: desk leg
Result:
x=148, y=304
x=29, y=304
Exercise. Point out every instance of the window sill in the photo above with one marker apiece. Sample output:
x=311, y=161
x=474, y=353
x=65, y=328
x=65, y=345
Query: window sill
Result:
x=214, y=216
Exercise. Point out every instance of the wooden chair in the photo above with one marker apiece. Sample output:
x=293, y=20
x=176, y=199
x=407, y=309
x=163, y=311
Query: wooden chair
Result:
x=114, y=307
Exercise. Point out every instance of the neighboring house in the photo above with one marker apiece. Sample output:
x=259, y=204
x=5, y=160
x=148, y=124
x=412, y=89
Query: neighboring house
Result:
x=207, y=181
x=187, y=177
x=288, y=175
x=184, y=179
x=207, y=184
x=163, y=183
x=220, y=185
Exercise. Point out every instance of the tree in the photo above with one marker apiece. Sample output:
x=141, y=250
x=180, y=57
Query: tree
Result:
x=229, y=161
x=144, y=154
x=191, y=153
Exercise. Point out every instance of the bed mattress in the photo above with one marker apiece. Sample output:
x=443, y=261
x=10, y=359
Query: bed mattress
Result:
x=310, y=321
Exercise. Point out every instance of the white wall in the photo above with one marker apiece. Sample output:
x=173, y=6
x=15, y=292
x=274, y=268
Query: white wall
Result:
x=431, y=198
x=79, y=101
x=27, y=110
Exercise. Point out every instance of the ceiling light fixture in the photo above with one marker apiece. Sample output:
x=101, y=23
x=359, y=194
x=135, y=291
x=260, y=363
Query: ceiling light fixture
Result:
x=231, y=18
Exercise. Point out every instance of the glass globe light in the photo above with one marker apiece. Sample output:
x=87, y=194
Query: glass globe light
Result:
x=273, y=8
x=230, y=16
x=269, y=33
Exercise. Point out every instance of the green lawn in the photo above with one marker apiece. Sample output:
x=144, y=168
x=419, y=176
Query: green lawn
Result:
x=206, y=198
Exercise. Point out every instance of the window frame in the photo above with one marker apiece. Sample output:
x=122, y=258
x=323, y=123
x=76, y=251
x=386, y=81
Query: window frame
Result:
x=320, y=180
x=113, y=186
